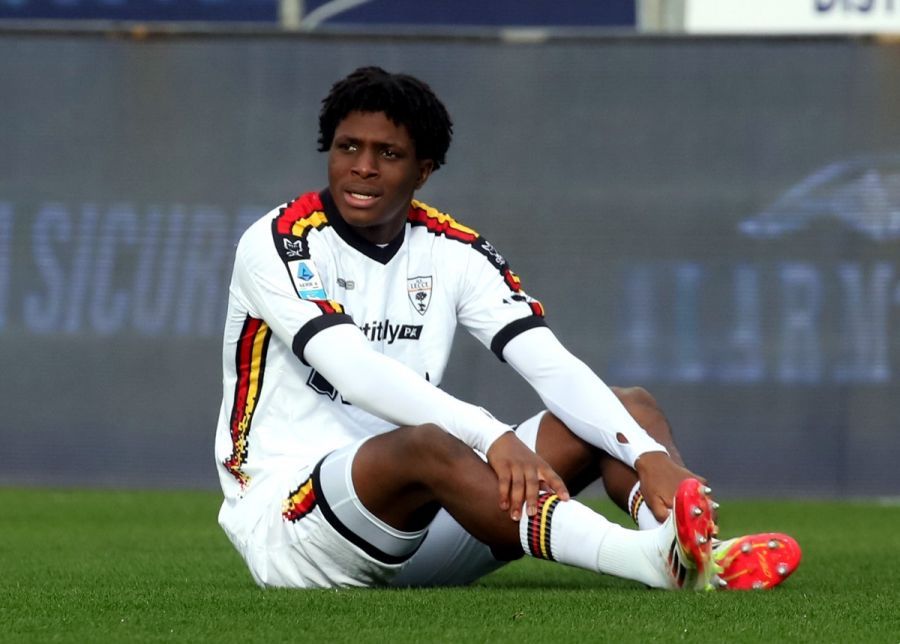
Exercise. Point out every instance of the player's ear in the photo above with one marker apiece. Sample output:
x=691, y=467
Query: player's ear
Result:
x=426, y=167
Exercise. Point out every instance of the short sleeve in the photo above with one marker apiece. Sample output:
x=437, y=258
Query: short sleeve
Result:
x=493, y=306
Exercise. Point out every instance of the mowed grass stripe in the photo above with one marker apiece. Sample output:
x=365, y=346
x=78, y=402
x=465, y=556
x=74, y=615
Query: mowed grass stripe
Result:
x=93, y=566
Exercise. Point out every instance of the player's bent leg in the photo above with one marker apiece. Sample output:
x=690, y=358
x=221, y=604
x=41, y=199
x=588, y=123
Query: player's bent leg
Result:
x=451, y=556
x=432, y=467
x=325, y=532
x=405, y=476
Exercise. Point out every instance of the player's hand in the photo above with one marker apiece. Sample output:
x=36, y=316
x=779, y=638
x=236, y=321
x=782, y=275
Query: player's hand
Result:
x=660, y=477
x=521, y=475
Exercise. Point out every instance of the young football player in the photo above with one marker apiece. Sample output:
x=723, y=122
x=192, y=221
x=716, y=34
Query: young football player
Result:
x=341, y=460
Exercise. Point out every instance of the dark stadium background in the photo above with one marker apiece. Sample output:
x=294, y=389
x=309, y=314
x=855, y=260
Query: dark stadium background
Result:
x=715, y=219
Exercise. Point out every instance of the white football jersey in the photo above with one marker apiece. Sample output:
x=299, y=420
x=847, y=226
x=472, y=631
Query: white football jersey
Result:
x=301, y=269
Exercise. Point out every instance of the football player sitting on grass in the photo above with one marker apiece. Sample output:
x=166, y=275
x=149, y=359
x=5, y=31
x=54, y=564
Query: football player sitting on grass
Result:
x=342, y=461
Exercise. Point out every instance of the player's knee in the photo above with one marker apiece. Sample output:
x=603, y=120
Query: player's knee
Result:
x=635, y=398
x=430, y=443
x=642, y=406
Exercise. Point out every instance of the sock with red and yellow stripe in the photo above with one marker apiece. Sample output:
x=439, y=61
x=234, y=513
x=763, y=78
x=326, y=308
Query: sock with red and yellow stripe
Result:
x=571, y=533
x=640, y=513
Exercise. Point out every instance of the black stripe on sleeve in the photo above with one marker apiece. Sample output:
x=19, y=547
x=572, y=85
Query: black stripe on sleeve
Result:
x=308, y=330
x=513, y=329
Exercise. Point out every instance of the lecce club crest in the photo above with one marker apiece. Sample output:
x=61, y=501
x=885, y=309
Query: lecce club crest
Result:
x=419, y=291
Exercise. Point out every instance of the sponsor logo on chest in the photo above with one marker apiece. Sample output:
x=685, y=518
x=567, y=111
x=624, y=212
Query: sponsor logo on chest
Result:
x=419, y=291
x=384, y=331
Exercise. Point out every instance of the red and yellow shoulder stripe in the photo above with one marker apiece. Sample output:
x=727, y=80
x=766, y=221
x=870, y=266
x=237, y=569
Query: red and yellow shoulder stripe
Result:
x=439, y=223
x=301, y=215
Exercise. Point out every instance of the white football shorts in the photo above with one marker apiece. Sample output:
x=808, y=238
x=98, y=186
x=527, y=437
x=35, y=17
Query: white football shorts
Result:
x=318, y=534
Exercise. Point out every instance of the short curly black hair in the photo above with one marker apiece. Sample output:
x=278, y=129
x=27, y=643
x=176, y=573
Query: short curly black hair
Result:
x=404, y=99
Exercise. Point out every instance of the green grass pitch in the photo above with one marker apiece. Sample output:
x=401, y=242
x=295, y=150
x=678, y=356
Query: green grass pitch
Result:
x=102, y=566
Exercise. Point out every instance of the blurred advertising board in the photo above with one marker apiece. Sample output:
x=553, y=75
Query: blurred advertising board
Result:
x=792, y=16
x=139, y=10
x=311, y=14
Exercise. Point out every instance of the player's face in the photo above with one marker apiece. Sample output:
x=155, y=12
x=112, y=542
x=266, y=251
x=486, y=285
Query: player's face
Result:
x=372, y=174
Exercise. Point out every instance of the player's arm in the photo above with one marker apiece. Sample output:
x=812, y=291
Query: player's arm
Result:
x=390, y=390
x=494, y=308
x=578, y=397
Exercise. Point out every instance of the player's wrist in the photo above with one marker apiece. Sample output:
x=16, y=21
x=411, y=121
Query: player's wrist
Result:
x=495, y=440
x=647, y=461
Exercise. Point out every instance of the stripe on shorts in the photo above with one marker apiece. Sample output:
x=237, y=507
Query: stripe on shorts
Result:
x=348, y=534
x=300, y=502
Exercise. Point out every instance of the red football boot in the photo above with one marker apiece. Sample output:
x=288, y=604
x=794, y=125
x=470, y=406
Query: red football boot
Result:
x=690, y=555
x=756, y=561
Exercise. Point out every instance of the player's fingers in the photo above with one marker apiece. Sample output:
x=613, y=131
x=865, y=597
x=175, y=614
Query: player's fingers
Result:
x=658, y=507
x=516, y=495
x=532, y=490
x=553, y=481
x=503, y=481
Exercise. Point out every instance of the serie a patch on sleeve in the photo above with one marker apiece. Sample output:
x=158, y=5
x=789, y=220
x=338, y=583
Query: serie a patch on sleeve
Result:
x=307, y=279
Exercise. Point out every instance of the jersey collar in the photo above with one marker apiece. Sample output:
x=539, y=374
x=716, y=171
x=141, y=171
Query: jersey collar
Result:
x=345, y=232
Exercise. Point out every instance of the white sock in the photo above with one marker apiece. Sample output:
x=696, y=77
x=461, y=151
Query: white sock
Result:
x=571, y=533
x=639, y=511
